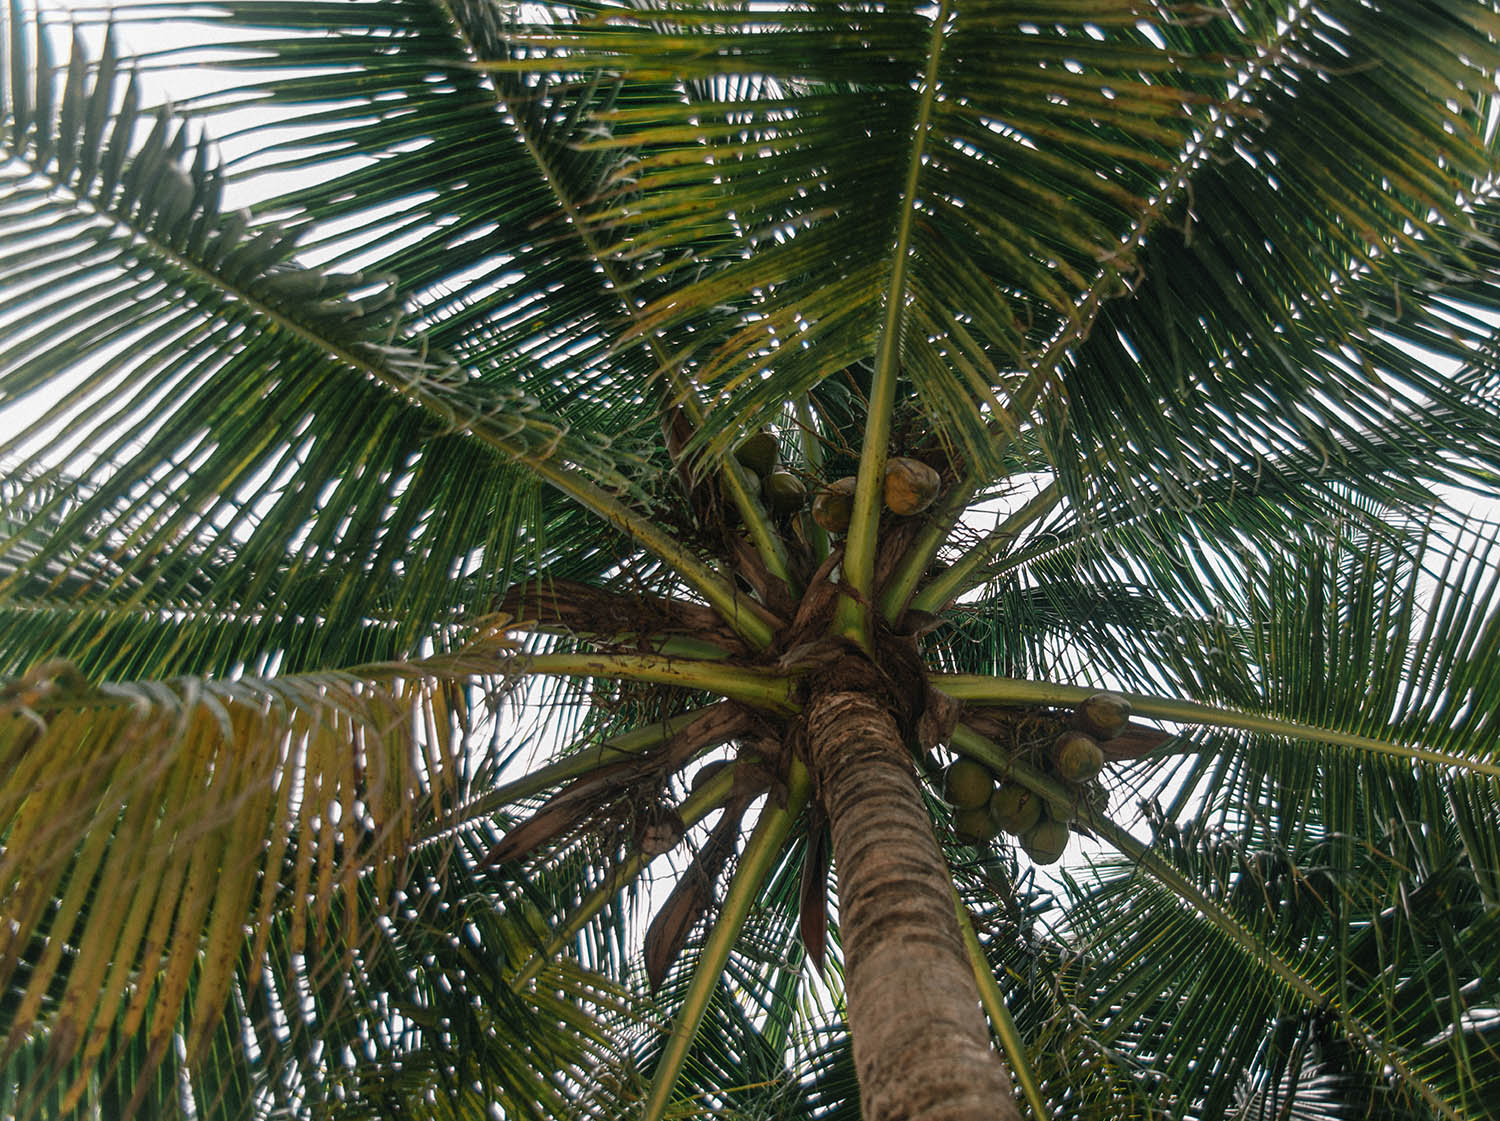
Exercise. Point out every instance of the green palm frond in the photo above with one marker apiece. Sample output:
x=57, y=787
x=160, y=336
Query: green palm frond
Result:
x=211, y=329
x=1375, y=964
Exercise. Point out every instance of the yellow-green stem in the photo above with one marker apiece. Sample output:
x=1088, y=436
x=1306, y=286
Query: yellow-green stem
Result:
x=763, y=535
x=743, y=614
x=761, y=688
x=941, y=520
x=955, y=580
x=755, y=865
x=1000, y=1018
x=1006, y=690
x=852, y=614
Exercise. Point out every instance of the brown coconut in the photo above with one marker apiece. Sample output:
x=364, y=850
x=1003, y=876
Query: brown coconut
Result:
x=1104, y=715
x=910, y=485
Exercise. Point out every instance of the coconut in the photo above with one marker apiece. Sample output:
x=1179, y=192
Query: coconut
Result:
x=910, y=485
x=1077, y=757
x=784, y=492
x=760, y=452
x=1104, y=715
x=973, y=823
x=967, y=784
x=834, y=505
x=1014, y=808
x=1045, y=841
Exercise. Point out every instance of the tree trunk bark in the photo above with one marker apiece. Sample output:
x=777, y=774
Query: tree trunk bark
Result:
x=921, y=1043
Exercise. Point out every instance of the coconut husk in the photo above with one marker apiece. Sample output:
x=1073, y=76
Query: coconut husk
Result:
x=939, y=717
x=910, y=485
x=834, y=505
x=1103, y=716
x=776, y=604
x=587, y=796
x=692, y=896
x=812, y=907
x=1135, y=742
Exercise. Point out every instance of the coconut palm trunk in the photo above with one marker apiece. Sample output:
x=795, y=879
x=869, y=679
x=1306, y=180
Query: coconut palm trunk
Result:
x=921, y=1044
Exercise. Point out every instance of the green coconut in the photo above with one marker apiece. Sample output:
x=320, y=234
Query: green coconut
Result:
x=973, y=823
x=1014, y=808
x=967, y=784
x=759, y=453
x=834, y=505
x=1077, y=757
x=1104, y=715
x=1045, y=841
x=784, y=492
x=910, y=485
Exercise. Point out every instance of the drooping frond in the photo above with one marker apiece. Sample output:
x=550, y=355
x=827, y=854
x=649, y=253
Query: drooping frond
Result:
x=1393, y=955
x=146, y=825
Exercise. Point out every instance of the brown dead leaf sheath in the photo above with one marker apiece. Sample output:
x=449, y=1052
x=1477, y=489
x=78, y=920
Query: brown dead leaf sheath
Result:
x=692, y=896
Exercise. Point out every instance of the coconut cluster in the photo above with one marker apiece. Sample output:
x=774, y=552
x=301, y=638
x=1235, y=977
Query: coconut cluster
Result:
x=911, y=486
x=986, y=804
x=780, y=490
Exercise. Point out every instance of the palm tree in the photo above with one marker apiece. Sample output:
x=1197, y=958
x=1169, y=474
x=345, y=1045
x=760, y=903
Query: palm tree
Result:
x=396, y=585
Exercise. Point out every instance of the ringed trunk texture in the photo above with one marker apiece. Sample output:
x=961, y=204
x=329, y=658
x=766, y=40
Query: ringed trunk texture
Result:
x=921, y=1043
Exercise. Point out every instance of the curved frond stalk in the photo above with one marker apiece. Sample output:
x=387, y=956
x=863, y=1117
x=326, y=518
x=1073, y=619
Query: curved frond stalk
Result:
x=758, y=687
x=943, y=519
x=699, y=804
x=755, y=864
x=744, y=615
x=1255, y=949
x=234, y=280
x=1307, y=988
x=1001, y=1020
x=474, y=25
x=852, y=618
x=1004, y=690
x=957, y=578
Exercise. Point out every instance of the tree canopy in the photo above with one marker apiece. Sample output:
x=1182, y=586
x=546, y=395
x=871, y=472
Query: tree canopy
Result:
x=417, y=699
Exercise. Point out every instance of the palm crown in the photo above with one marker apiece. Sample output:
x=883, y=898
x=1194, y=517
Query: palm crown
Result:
x=1145, y=335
